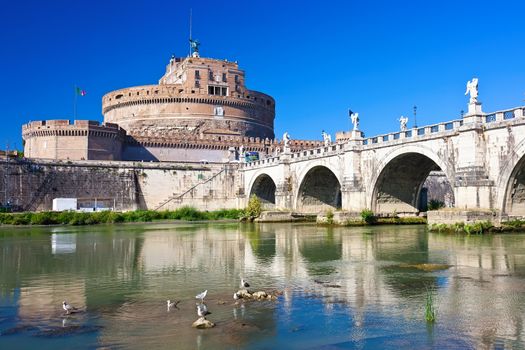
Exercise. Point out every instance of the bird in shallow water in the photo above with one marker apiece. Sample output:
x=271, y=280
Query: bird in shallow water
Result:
x=202, y=295
x=244, y=284
x=68, y=308
x=202, y=310
x=172, y=304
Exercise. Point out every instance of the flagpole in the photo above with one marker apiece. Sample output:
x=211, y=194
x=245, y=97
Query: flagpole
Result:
x=191, y=10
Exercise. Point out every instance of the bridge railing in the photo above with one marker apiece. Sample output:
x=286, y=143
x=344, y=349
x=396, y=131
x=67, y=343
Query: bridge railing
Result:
x=304, y=154
x=414, y=132
x=505, y=114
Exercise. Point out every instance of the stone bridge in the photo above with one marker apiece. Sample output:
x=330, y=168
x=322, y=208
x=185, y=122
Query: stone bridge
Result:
x=482, y=156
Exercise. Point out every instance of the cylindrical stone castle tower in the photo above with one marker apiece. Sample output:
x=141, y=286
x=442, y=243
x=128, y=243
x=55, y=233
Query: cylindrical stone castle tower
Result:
x=196, y=96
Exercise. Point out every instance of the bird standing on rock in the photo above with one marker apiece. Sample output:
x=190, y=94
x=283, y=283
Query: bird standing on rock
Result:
x=202, y=310
x=244, y=284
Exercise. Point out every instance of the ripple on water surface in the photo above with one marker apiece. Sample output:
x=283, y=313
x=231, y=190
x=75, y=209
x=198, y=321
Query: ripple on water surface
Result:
x=341, y=287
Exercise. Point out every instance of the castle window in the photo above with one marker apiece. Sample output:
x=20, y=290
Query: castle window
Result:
x=224, y=77
x=197, y=74
x=210, y=75
x=197, y=84
x=218, y=111
x=217, y=90
x=236, y=79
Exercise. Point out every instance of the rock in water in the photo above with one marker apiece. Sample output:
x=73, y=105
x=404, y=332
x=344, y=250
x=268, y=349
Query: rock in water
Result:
x=203, y=323
x=259, y=295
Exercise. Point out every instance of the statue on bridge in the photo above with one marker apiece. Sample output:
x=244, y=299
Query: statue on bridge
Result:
x=327, y=139
x=355, y=120
x=403, y=123
x=472, y=89
x=286, y=138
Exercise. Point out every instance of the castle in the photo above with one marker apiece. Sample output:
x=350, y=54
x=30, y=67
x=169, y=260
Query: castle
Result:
x=199, y=111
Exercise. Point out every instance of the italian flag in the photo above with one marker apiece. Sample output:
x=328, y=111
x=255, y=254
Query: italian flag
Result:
x=80, y=92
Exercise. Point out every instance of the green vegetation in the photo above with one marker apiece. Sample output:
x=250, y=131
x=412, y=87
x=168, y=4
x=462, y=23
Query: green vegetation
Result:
x=329, y=217
x=435, y=204
x=430, y=310
x=368, y=216
x=408, y=220
x=105, y=217
x=253, y=209
x=479, y=227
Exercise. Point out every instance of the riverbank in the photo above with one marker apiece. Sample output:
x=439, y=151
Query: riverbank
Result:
x=109, y=217
x=480, y=227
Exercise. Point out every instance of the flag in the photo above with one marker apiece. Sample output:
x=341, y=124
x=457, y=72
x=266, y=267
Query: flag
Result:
x=80, y=92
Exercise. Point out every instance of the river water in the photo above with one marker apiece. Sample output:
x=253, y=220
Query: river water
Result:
x=340, y=288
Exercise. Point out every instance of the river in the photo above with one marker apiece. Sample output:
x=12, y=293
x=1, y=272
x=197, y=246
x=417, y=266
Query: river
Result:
x=338, y=288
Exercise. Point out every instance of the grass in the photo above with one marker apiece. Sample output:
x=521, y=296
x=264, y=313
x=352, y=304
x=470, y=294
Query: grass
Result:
x=106, y=217
x=430, y=310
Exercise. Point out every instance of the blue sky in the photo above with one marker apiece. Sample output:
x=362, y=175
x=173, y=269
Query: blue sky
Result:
x=317, y=59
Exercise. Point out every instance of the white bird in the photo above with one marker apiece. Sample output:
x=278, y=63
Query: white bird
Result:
x=202, y=310
x=68, y=308
x=244, y=284
x=172, y=303
x=202, y=295
x=236, y=296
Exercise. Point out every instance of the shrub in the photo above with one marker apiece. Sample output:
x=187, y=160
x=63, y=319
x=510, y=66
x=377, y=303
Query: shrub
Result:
x=254, y=207
x=435, y=204
x=329, y=217
x=368, y=216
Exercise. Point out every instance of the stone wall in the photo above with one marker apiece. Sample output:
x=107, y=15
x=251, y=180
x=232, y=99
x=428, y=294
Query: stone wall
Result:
x=76, y=140
x=32, y=185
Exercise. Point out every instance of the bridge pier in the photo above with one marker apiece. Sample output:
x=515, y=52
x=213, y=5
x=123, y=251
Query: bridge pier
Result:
x=352, y=193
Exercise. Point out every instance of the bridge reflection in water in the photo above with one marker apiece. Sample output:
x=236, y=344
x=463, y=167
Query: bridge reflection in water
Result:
x=339, y=285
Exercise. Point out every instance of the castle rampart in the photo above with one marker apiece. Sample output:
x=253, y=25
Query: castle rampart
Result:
x=81, y=139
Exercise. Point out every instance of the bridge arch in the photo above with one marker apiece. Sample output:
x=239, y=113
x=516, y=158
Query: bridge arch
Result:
x=319, y=189
x=510, y=185
x=398, y=181
x=264, y=187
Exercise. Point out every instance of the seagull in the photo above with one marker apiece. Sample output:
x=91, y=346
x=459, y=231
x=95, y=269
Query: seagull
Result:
x=68, y=308
x=244, y=284
x=172, y=303
x=202, y=310
x=202, y=295
x=236, y=296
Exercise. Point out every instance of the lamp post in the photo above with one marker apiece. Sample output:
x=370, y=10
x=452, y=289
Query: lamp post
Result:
x=415, y=114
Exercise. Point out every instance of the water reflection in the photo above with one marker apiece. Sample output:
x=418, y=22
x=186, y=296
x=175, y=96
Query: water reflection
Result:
x=63, y=243
x=347, y=287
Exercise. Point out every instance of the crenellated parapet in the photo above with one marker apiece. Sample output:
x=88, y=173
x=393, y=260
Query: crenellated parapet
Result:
x=66, y=127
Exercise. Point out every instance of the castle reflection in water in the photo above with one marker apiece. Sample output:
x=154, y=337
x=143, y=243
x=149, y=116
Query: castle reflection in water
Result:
x=361, y=268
